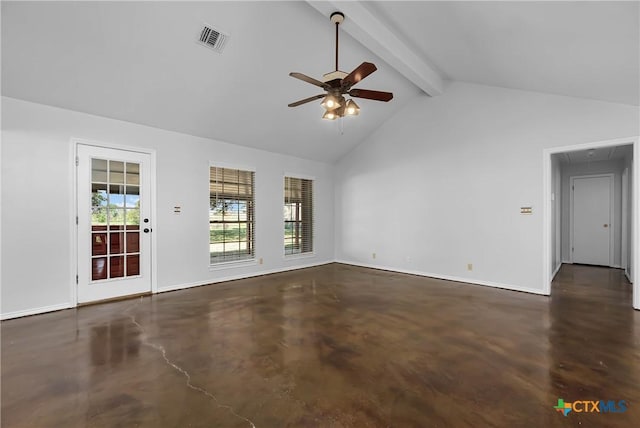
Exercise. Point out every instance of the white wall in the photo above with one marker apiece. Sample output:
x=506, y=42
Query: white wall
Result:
x=603, y=167
x=37, y=178
x=441, y=184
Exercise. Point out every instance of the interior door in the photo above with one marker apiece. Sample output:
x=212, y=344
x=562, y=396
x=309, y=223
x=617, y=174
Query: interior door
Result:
x=591, y=225
x=114, y=227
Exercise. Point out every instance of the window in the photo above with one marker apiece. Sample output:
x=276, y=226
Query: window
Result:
x=231, y=219
x=298, y=215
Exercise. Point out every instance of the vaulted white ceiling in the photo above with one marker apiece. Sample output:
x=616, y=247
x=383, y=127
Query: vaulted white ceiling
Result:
x=139, y=62
x=585, y=49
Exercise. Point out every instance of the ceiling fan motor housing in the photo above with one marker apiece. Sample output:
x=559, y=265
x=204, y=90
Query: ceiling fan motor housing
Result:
x=327, y=77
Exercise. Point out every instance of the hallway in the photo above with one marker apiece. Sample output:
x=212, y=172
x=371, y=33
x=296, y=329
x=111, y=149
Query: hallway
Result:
x=594, y=339
x=330, y=346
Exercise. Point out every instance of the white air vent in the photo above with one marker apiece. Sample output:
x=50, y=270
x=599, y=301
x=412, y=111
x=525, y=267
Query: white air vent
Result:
x=212, y=38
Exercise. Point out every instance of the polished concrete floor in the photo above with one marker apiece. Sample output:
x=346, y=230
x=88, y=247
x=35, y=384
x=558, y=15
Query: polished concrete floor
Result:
x=331, y=346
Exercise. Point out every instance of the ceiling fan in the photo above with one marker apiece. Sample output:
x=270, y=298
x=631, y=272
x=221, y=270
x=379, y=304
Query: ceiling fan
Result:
x=337, y=84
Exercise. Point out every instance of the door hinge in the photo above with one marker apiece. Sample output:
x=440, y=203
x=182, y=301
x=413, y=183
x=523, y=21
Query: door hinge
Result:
x=573, y=188
x=572, y=249
x=76, y=279
x=76, y=220
x=77, y=161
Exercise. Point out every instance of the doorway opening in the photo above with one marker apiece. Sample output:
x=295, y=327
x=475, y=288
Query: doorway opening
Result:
x=590, y=209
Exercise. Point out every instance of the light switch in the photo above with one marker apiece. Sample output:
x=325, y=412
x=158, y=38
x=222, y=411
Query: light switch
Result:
x=526, y=210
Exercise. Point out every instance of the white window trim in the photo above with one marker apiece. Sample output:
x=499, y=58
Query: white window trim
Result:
x=232, y=166
x=296, y=175
x=233, y=264
x=307, y=255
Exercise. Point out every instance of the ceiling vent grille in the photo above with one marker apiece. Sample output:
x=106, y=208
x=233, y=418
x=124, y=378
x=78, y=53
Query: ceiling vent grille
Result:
x=212, y=38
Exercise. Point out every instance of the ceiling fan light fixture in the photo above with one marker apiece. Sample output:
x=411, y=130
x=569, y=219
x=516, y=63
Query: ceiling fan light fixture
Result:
x=331, y=102
x=330, y=115
x=351, y=108
x=337, y=84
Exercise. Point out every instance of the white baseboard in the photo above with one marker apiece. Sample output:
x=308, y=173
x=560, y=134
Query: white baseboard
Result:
x=36, y=311
x=52, y=308
x=447, y=277
x=239, y=276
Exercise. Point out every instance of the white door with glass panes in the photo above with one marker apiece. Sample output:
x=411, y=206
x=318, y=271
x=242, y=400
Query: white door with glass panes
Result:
x=114, y=224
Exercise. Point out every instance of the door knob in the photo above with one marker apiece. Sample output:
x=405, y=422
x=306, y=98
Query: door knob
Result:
x=606, y=225
x=146, y=230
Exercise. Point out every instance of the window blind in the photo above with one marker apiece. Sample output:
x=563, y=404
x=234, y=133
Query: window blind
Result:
x=231, y=214
x=298, y=215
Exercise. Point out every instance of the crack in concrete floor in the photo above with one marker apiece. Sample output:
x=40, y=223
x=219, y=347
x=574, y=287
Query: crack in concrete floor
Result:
x=182, y=371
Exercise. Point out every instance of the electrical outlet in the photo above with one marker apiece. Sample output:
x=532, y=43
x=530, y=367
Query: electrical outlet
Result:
x=469, y=266
x=373, y=255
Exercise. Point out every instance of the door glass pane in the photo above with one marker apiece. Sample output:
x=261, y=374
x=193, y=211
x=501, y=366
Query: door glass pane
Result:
x=132, y=201
x=99, y=194
x=133, y=265
x=99, y=246
x=116, y=172
x=99, y=268
x=115, y=219
x=116, y=266
x=116, y=195
x=99, y=199
x=116, y=216
x=133, y=173
x=99, y=217
x=116, y=243
x=98, y=170
x=133, y=242
x=132, y=217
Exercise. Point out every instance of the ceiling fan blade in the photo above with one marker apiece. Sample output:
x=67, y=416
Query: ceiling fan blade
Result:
x=306, y=100
x=362, y=71
x=308, y=79
x=371, y=95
